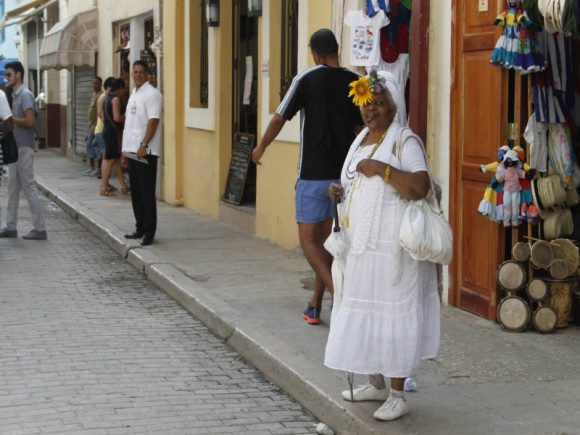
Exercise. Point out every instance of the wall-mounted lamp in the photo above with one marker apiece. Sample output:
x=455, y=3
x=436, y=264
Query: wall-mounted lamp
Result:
x=254, y=8
x=17, y=39
x=212, y=12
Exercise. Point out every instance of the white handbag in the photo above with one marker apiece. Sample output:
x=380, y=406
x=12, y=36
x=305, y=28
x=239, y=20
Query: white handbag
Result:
x=425, y=232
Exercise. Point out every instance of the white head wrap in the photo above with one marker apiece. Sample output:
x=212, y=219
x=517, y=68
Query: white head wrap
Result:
x=397, y=94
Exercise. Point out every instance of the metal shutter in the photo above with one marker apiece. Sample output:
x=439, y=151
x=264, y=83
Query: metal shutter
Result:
x=32, y=43
x=83, y=90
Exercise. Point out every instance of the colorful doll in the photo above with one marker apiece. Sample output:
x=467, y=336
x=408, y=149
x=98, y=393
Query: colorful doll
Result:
x=510, y=174
x=517, y=48
x=493, y=199
x=491, y=204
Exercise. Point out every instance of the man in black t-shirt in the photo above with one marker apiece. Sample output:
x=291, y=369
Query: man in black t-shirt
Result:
x=328, y=124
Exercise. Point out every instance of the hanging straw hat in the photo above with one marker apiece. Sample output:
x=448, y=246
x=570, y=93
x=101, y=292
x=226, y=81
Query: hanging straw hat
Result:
x=572, y=197
x=567, y=222
x=565, y=249
x=552, y=225
x=547, y=192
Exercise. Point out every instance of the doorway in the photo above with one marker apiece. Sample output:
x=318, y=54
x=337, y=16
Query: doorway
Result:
x=244, y=85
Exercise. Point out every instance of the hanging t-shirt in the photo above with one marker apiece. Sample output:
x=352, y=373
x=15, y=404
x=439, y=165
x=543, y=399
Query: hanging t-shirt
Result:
x=374, y=6
x=365, y=37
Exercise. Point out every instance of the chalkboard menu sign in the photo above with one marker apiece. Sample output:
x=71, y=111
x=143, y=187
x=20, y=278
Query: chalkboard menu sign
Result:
x=241, y=158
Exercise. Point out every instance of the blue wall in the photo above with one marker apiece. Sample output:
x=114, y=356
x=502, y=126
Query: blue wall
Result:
x=7, y=46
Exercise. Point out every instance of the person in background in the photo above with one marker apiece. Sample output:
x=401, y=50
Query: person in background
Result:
x=112, y=135
x=100, y=145
x=92, y=150
x=142, y=136
x=21, y=173
x=6, y=123
x=329, y=121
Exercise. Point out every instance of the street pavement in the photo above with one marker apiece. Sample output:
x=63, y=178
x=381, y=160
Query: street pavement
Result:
x=89, y=346
x=251, y=294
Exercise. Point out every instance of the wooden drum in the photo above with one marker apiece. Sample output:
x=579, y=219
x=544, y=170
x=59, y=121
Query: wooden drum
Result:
x=561, y=299
x=559, y=269
x=542, y=254
x=537, y=290
x=544, y=319
x=511, y=276
x=513, y=314
x=521, y=252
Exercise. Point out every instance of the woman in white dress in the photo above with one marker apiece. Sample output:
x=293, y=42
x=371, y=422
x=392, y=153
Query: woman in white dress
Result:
x=386, y=319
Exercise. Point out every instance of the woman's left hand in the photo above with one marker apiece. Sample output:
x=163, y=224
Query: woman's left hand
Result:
x=370, y=167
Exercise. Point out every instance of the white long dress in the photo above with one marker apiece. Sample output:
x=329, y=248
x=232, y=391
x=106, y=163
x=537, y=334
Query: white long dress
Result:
x=389, y=317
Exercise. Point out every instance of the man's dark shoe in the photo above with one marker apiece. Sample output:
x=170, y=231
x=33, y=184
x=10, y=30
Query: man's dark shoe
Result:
x=35, y=235
x=135, y=235
x=146, y=240
x=8, y=234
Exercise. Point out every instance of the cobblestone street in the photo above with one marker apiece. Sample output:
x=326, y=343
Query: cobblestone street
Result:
x=88, y=345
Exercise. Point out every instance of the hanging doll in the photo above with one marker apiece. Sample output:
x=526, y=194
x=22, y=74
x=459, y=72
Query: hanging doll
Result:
x=493, y=199
x=510, y=173
x=517, y=48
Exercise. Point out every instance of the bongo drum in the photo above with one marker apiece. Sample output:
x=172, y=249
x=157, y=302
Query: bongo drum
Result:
x=544, y=319
x=561, y=299
x=542, y=254
x=537, y=290
x=559, y=269
x=513, y=314
x=511, y=276
x=565, y=249
x=521, y=252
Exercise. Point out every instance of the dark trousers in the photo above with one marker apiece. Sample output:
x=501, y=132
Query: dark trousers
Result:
x=143, y=178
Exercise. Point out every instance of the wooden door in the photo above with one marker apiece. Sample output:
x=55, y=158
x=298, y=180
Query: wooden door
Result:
x=479, y=113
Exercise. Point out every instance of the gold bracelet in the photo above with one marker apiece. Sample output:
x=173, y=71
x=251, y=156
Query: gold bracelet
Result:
x=387, y=177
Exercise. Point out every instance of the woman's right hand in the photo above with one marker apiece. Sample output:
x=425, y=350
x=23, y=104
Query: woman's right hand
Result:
x=335, y=191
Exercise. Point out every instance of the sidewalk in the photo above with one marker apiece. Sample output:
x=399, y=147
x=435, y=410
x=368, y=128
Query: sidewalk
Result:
x=251, y=293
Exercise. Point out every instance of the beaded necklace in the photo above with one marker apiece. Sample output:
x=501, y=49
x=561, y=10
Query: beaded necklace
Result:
x=358, y=180
x=350, y=173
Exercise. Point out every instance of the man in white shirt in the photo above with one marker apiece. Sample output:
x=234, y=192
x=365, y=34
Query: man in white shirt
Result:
x=142, y=136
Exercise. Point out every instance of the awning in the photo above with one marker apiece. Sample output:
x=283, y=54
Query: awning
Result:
x=72, y=42
x=24, y=12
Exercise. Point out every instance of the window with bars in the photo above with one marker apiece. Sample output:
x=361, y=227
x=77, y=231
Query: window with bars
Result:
x=198, y=55
x=289, y=44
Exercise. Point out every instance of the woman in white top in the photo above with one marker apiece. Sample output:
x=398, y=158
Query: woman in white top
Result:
x=386, y=319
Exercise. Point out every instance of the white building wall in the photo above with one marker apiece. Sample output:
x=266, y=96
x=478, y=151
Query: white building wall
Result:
x=439, y=105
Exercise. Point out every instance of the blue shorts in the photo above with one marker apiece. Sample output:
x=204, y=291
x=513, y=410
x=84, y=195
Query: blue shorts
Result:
x=100, y=144
x=91, y=150
x=312, y=202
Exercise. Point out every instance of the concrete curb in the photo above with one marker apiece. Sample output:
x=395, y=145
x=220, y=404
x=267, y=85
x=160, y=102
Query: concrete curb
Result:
x=259, y=347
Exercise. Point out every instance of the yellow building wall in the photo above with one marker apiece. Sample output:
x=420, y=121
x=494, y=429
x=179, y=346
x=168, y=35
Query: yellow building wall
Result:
x=196, y=161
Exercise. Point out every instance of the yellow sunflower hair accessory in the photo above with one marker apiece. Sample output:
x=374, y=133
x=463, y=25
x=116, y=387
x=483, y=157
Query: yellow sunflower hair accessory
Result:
x=360, y=92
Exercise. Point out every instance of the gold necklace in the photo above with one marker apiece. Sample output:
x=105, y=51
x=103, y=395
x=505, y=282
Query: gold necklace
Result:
x=346, y=220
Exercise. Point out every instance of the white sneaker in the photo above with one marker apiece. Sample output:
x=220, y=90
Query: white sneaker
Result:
x=364, y=393
x=392, y=409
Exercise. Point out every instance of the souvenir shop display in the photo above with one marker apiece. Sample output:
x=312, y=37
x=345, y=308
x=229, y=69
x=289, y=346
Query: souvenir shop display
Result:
x=519, y=206
x=550, y=289
x=365, y=37
x=517, y=48
x=379, y=39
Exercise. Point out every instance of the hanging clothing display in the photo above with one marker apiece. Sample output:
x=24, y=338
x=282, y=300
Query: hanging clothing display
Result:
x=536, y=135
x=517, y=48
x=365, y=37
x=374, y=6
x=554, y=88
x=395, y=37
x=399, y=68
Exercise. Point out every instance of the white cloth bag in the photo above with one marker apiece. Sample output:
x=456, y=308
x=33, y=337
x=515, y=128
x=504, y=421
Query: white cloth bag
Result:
x=425, y=233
